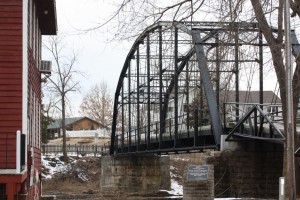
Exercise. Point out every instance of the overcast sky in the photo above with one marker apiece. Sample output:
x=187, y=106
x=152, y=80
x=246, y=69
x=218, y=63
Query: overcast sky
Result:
x=98, y=59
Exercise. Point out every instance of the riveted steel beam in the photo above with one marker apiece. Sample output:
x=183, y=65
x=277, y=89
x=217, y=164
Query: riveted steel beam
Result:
x=208, y=88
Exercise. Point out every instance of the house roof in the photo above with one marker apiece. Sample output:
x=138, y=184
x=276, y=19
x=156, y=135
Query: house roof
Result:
x=57, y=122
x=250, y=97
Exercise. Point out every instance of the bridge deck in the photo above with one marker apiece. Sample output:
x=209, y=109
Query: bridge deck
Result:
x=186, y=141
x=189, y=141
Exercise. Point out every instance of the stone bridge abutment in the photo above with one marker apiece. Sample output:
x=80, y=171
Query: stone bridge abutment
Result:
x=249, y=169
x=134, y=174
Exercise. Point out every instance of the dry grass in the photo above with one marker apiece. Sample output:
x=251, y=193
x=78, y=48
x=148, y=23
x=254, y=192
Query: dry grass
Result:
x=70, y=183
x=69, y=186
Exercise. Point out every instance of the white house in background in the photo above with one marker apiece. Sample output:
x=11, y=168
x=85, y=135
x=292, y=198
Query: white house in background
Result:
x=99, y=133
x=246, y=98
x=271, y=102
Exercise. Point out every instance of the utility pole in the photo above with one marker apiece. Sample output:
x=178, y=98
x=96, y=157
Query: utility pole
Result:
x=289, y=101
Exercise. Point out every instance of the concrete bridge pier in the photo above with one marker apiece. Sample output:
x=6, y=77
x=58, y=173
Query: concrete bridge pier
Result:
x=135, y=173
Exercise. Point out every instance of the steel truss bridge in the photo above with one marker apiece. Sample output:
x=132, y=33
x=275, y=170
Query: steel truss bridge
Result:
x=179, y=89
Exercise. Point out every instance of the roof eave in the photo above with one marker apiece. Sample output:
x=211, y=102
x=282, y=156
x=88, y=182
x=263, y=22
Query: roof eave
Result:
x=47, y=16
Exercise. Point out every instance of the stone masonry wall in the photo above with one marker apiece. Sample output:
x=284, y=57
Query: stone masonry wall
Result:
x=199, y=189
x=134, y=173
x=251, y=171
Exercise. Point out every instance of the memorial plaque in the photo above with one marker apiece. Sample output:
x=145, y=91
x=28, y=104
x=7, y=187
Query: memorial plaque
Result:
x=197, y=172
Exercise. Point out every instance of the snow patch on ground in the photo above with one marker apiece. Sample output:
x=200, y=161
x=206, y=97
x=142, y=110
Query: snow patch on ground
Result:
x=180, y=159
x=176, y=189
x=53, y=165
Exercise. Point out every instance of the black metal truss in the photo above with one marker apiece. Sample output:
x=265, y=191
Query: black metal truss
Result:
x=165, y=65
x=297, y=153
x=256, y=119
x=255, y=131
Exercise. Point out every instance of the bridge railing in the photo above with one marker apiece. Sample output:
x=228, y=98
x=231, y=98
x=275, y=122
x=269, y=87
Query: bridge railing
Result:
x=234, y=112
x=83, y=150
x=254, y=121
x=190, y=125
x=186, y=128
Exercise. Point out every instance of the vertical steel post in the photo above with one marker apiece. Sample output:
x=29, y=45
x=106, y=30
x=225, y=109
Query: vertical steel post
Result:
x=224, y=116
x=196, y=124
x=161, y=124
x=138, y=95
x=201, y=106
x=261, y=67
x=255, y=122
x=123, y=116
x=218, y=71
x=261, y=78
x=176, y=87
x=237, y=93
x=187, y=99
x=148, y=93
x=129, y=105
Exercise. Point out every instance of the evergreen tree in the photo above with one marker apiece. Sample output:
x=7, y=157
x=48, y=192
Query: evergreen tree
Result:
x=45, y=121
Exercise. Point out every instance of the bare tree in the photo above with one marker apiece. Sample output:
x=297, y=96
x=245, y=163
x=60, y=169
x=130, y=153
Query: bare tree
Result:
x=276, y=44
x=295, y=6
x=131, y=17
x=98, y=105
x=135, y=15
x=63, y=79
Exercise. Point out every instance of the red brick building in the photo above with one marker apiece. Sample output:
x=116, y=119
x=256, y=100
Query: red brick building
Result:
x=22, y=24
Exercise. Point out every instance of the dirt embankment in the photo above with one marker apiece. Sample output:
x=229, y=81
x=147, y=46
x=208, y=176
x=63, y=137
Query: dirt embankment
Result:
x=80, y=178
